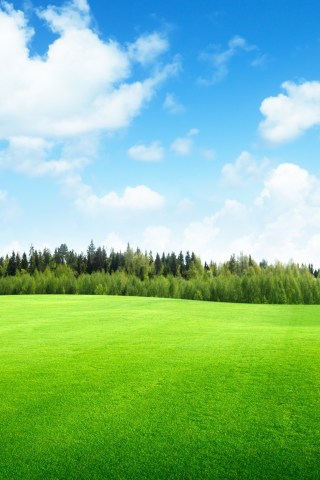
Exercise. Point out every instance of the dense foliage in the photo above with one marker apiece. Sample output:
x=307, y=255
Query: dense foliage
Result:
x=239, y=280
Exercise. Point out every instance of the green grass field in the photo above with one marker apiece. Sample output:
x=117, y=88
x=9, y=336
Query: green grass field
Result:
x=143, y=388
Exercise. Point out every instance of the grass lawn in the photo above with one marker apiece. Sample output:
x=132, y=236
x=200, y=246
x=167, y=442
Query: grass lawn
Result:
x=131, y=388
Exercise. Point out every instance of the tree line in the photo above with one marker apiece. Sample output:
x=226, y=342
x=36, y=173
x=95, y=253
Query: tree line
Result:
x=240, y=279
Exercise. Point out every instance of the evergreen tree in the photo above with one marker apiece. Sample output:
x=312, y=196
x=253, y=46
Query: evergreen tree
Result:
x=36, y=259
x=31, y=259
x=24, y=262
x=12, y=265
x=187, y=260
x=18, y=261
x=90, y=257
x=46, y=256
x=158, y=264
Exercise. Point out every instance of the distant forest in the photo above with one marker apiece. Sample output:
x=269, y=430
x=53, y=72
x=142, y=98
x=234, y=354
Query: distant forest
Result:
x=240, y=279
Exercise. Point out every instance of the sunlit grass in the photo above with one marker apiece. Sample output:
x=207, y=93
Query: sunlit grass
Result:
x=104, y=387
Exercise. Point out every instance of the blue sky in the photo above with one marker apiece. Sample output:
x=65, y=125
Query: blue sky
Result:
x=171, y=125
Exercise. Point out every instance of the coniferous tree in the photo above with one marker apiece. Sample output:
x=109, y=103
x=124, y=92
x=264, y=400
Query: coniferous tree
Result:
x=187, y=260
x=181, y=263
x=31, y=259
x=12, y=265
x=158, y=264
x=46, y=256
x=18, y=261
x=164, y=265
x=24, y=262
x=36, y=260
x=90, y=257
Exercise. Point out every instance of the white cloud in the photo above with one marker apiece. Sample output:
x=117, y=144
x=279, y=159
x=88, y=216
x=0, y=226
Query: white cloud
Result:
x=199, y=237
x=136, y=199
x=244, y=170
x=29, y=156
x=232, y=208
x=157, y=239
x=289, y=116
x=193, y=131
x=79, y=86
x=148, y=47
x=73, y=14
x=182, y=146
x=260, y=61
x=115, y=242
x=290, y=222
x=153, y=153
x=264, y=194
x=14, y=246
x=77, y=90
x=172, y=105
x=219, y=60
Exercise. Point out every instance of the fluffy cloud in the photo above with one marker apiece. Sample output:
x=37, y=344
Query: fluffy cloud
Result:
x=115, y=242
x=289, y=116
x=199, y=237
x=148, y=47
x=157, y=239
x=79, y=86
x=193, y=131
x=14, y=246
x=219, y=60
x=244, y=170
x=153, y=153
x=172, y=105
x=282, y=223
x=53, y=108
x=182, y=146
x=138, y=198
x=29, y=156
x=291, y=200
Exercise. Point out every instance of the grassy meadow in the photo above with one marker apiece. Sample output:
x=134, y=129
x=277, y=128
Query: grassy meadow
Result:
x=103, y=387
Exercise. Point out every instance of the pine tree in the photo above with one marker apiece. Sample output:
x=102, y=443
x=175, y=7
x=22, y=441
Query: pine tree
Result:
x=18, y=261
x=46, y=256
x=12, y=265
x=181, y=263
x=157, y=264
x=24, y=262
x=187, y=260
x=90, y=257
x=31, y=259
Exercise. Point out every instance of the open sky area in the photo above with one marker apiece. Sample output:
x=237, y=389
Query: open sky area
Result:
x=173, y=125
